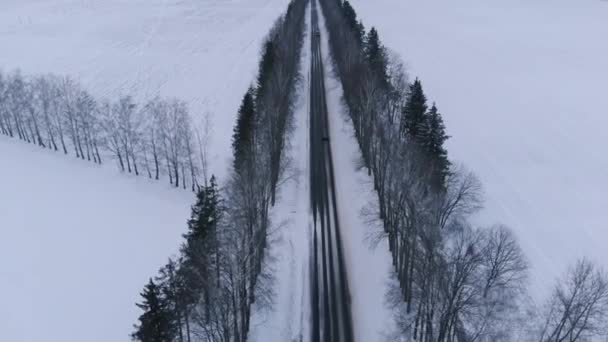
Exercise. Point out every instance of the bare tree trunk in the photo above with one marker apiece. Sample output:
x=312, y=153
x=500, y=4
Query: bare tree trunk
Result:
x=176, y=174
x=61, y=135
x=134, y=162
x=188, y=328
x=155, y=155
x=183, y=176
x=145, y=150
x=37, y=129
x=97, y=152
x=78, y=138
x=127, y=159
x=122, y=165
x=169, y=171
x=87, y=144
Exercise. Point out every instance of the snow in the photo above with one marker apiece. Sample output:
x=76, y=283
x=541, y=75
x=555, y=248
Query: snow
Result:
x=369, y=268
x=77, y=243
x=205, y=52
x=522, y=87
x=289, y=251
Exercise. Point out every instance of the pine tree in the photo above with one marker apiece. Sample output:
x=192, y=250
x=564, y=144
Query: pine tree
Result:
x=201, y=254
x=155, y=324
x=376, y=56
x=360, y=31
x=205, y=213
x=351, y=20
x=242, y=137
x=266, y=65
x=178, y=298
x=435, y=139
x=413, y=117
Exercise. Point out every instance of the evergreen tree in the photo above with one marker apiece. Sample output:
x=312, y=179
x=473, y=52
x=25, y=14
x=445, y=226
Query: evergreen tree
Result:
x=376, y=56
x=178, y=298
x=155, y=324
x=435, y=139
x=200, y=250
x=205, y=213
x=243, y=130
x=360, y=29
x=413, y=118
x=351, y=20
x=266, y=65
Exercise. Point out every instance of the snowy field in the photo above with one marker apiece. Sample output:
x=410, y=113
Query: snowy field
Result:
x=522, y=87
x=77, y=243
x=80, y=241
x=202, y=51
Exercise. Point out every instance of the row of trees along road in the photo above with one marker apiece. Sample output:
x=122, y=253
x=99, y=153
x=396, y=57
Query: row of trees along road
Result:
x=206, y=293
x=153, y=139
x=456, y=282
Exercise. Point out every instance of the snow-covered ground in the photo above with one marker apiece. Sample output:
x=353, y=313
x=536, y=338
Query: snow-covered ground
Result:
x=522, y=87
x=202, y=51
x=77, y=243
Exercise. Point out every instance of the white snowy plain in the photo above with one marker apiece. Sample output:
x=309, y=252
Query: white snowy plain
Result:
x=522, y=88
x=78, y=242
x=205, y=52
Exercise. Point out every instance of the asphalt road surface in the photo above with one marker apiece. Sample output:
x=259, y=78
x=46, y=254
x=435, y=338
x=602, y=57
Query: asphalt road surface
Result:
x=330, y=299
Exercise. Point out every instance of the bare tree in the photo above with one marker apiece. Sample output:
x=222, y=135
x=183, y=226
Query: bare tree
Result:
x=203, y=137
x=503, y=260
x=129, y=129
x=55, y=110
x=16, y=98
x=56, y=113
x=156, y=128
x=174, y=139
x=44, y=102
x=578, y=308
x=5, y=125
x=463, y=196
x=111, y=132
x=34, y=118
x=70, y=92
x=86, y=109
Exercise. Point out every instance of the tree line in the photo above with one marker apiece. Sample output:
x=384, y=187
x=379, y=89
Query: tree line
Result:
x=154, y=139
x=207, y=292
x=456, y=282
